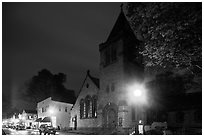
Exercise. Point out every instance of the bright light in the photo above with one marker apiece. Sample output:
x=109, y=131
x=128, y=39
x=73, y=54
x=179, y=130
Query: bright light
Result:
x=137, y=93
x=51, y=111
x=23, y=118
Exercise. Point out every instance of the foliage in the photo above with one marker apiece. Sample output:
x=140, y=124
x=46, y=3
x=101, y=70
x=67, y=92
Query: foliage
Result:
x=171, y=32
x=167, y=84
x=44, y=85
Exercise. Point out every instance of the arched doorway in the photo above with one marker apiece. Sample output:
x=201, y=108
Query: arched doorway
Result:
x=110, y=116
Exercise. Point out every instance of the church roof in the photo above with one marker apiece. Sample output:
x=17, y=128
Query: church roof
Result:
x=121, y=27
x=93, y=79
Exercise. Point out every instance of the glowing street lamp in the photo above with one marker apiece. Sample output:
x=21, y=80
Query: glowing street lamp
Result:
x=137, y=93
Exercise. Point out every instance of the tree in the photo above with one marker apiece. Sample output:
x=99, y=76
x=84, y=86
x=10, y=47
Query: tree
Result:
x=171, y=33
x=44, y=85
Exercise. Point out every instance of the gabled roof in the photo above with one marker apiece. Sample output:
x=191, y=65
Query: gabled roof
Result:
x=30, y=111
x=65, y=96
x=121, y=27
x=93, y=79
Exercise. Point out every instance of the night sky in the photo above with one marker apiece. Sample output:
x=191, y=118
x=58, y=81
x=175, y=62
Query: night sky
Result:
x=61, y=37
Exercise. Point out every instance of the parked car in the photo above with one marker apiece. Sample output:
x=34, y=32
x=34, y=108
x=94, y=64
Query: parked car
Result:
x=20, y=127
x=3, y=132
x=44, y=128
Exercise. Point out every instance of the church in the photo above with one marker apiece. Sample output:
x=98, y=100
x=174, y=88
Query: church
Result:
x=119, y=101
x=106, y=102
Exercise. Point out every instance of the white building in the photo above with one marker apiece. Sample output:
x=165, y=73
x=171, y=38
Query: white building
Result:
x=57, y=111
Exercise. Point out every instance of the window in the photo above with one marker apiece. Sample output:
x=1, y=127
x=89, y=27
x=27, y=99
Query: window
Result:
x=110, y=55
x=94, y=110
x=81, y=108
x=88, y=106
x=65, y=109
x=87, y=85
x=120, y=121
x=90, y=109
x=84, y=108
x=59, y=108
x=43, y=109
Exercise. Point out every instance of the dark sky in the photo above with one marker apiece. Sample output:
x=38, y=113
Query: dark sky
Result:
x=61, y=37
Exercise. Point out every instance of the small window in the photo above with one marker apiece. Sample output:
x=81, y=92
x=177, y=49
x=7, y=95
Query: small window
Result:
x=82, y=108
x=43, y=110
x=87, y=85
x=65, y=109
x=120, y=121
x=107, y=89
x=59, y=108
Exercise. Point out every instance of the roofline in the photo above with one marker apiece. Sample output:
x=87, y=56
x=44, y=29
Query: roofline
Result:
x=87, y=75
x=62, y=102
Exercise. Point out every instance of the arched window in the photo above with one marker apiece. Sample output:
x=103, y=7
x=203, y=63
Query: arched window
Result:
x=82, y=108
x=88, y=106
x=94, y=108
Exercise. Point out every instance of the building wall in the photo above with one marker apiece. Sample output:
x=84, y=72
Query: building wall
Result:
x=122, y=72
x=91, y=90
x=58, y=108
x=189, y=119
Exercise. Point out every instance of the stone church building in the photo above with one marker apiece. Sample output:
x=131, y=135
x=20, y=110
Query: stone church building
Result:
x=105, y=102
x=118, y=100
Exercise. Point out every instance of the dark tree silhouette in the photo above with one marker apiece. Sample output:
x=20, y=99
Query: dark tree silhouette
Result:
x=45, y=85
x=171, y=33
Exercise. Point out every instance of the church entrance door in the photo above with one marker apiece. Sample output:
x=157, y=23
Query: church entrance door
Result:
x=110, y=116
x=111, y=119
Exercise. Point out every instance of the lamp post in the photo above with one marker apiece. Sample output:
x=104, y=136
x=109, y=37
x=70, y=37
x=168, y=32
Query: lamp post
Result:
x=138, y=97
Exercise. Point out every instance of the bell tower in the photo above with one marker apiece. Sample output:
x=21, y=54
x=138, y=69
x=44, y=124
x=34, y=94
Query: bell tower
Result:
x=120, y=63
x=119, y=55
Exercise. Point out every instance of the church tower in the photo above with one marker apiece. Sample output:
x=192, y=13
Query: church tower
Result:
x=120, y=64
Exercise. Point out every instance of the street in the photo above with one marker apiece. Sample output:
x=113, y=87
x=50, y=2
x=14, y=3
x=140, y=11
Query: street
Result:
x=10, y=131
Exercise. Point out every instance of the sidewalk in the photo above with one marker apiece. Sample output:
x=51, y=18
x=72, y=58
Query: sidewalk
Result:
x=79, y=132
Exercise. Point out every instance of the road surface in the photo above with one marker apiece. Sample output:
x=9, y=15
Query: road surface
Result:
x=10, y=131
